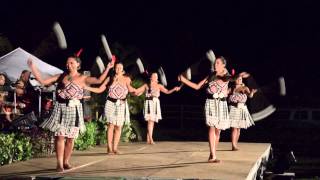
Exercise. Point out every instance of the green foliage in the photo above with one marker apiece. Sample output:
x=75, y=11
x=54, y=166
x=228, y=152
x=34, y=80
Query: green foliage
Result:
x=6, y=148
x=23, y=148
x=101, y=136
x=14, y=147
x=136, y=131
x=88, y=138
x=126, y=133
x=136, y=102
x=42, y=143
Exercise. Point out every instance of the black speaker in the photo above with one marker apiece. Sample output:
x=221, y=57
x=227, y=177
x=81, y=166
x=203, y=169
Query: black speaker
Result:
x=26, y=120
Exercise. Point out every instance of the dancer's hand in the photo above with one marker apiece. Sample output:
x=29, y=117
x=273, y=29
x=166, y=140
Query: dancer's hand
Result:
x=177, y=88
x=30, y=63
x=253, y=91
x=85, y=87
x=113, y=59
x=6, y=110
x=110, y=65
x=244, y=74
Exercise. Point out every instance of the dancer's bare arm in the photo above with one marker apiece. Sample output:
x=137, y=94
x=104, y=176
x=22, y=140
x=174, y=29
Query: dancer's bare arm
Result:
x=192, y=84
x=94, y=80
x=166, y=91
x=99, y=89
x=130, y=88
x=252, y=92
x=37, y=74
x=141, y=90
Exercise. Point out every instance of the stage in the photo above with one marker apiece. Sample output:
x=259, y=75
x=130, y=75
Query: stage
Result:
x=164, y=160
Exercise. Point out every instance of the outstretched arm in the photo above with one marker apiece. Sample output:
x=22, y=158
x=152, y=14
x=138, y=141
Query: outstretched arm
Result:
x=141, y=89
x=249, y=92
x=37, y=75
x=166, y=91
x=94, y=80
x=252, y=92
x=100, y=89
x=192, y=84
x=244, y=74
x=130, y=88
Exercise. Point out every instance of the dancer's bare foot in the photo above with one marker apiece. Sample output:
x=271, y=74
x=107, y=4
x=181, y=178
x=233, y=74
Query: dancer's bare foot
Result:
x=110, y=152
x=213, y=160
x=235, y=148
x=59, y=169
x=116, y=152
x=67, y=166
x=151, y=142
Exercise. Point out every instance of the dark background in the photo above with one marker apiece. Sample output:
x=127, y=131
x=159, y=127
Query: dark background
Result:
x=269, y=39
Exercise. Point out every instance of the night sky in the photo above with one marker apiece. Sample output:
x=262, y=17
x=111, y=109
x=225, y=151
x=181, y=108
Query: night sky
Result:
x=268, y=39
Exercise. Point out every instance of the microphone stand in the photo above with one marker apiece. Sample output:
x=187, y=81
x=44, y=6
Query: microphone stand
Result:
x=15, y=101
x=39, y=110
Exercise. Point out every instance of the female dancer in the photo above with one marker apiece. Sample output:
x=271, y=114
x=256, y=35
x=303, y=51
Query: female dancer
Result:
x=239, y=114
x=152, y=110
x=216, y=109
x=116, y=107
x=66, y=119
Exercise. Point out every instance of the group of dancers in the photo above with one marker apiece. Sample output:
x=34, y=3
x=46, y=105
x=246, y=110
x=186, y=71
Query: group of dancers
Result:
x=66, y=120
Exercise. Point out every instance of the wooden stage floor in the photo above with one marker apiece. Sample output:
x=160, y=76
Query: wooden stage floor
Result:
x=164, y=160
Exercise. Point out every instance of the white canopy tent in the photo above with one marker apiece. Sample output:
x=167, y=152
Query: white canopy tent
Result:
x=15, y=62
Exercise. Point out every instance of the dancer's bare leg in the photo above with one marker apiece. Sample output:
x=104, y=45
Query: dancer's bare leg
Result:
x=59, y=142
x=150, y=132
x=110, y=138
x=238, y=136
x=67, y=153
x=212, y=144
x=117, y=135
x=235, y=138
x=217, y=136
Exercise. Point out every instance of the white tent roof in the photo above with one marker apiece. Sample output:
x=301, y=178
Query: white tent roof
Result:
x=15, y=62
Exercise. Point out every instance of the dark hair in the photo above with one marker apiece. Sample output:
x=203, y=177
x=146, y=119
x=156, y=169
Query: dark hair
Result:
x=76, y=58
x=25, y=71
x=112, y=75
x=3, y=74
x=235, y=77
x=7, y=81
x=223, y=59
x=149, y=81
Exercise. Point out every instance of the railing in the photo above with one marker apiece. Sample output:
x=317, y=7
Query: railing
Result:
x=181, y=116
x=188, y=116
x=298, y=114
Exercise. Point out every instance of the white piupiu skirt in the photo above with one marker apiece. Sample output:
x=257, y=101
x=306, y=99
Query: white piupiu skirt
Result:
x=117, y=113
x=152, y=110
x=240, y=116
x=65, y=120
x=217, y=114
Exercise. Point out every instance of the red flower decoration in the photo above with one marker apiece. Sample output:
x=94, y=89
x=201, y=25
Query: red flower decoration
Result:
x=233, y=72
x=113, y=59
x=79, y=52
